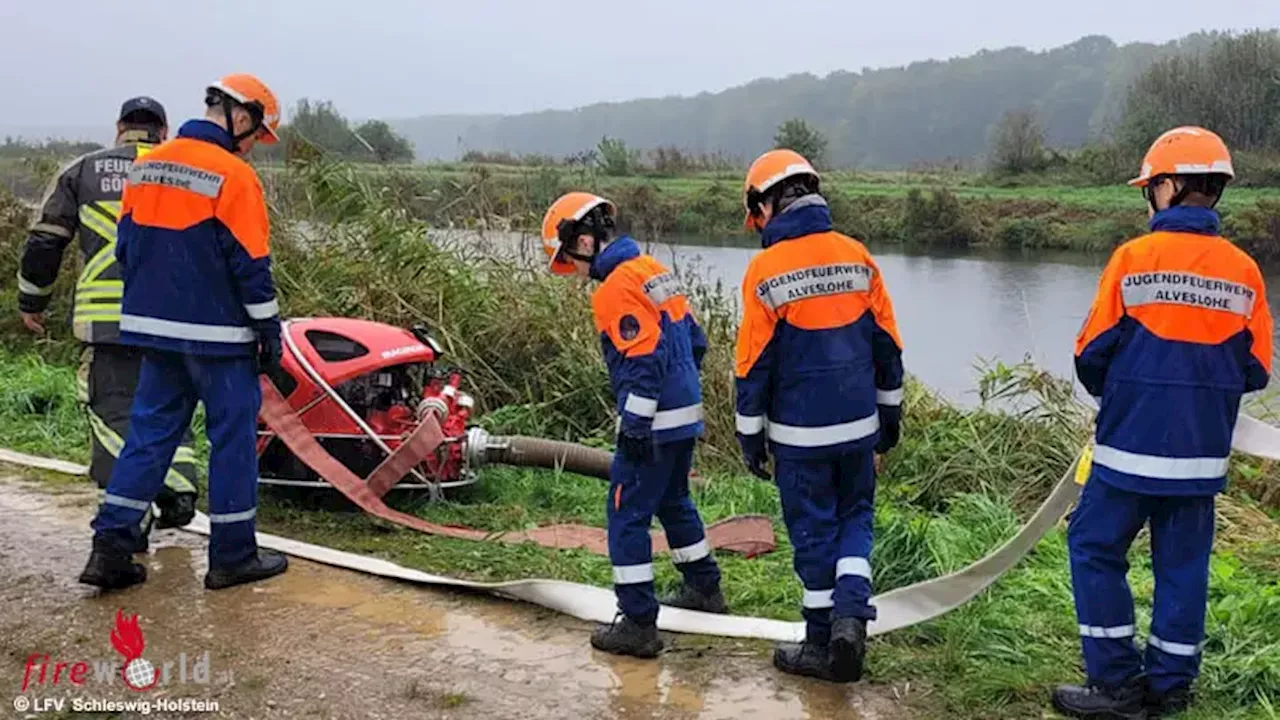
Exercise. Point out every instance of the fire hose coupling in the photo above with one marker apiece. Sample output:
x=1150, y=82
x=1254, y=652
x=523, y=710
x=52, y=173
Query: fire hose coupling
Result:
x=434, y=405
x=479, y=444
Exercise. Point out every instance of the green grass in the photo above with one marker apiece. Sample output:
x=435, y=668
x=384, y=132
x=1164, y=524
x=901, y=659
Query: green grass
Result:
x=959, y=486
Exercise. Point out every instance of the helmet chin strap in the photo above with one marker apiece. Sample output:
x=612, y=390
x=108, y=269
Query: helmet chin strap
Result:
x=228, y=105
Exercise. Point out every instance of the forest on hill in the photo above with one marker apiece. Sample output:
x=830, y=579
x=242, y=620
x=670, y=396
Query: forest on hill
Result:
x=924, y=113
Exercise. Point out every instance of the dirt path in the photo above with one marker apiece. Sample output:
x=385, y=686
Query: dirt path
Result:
x=326, y=643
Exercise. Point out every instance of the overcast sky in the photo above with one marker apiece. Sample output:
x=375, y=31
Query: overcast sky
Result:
x=71, y=62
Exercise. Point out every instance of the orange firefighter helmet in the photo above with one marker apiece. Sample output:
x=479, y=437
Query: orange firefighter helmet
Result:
x=250, y=91
x=560, y=225
x=768, y=170
x=1186, y=150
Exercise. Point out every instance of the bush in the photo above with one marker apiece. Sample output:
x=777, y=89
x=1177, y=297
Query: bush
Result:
x=937, y=220
x=615, y=158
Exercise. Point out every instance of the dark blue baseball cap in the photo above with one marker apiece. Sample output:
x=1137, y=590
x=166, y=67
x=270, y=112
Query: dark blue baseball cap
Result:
x=143, y=104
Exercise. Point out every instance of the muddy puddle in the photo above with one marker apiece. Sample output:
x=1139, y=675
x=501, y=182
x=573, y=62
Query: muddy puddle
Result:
x=320, y=642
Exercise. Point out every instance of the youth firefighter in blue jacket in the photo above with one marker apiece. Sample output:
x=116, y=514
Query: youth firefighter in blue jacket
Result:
x=653, y=348
x=819, y=383
x=199, y=299
x=1179, y=330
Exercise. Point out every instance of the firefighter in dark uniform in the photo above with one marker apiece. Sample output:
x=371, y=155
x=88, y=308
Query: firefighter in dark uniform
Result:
x=83, y=204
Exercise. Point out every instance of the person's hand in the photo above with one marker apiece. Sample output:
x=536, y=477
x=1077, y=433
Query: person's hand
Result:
x=878, y=462
x=755, y=455
x=890, y=428
x=270, y=351
x=636, y=448
x=33, y=321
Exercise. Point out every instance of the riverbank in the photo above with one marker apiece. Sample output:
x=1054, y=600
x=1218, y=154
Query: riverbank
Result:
x=918, y=210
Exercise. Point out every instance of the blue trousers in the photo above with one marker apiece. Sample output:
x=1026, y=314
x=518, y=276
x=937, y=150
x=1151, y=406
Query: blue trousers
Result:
x=637, y=492
x=829, y=508
x=169, y=386
x=1101, y=530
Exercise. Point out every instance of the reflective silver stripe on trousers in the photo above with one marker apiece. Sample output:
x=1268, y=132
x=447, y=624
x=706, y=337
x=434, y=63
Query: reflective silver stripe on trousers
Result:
x=824, y=435
x=690, y=553
x=855, y=566
x=749, y=424
x=235, y=517
x=27, y=287
x=1173, y=648
x=1155, y=466
x=263, y=310
x=1184, y=288
x=139, y=505
x=818, y=599
x=632, y=574
x=1110, y=633
x=679, y=417
x=639, y=405
x=888, y=397
x=185, y=331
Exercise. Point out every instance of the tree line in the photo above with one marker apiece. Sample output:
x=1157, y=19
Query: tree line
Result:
x=924, y=113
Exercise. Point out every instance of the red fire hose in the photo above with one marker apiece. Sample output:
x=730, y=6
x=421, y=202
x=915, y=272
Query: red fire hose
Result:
x=749, y=535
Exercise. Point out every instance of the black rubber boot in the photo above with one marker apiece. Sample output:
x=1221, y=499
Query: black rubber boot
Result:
x=628, y=637
x=690, y=599
x=1092, y=702
x=848, y=647
x=266, y=564
x=111, y=567
x=175, y=512
x=809, y=659
x=1170, y=703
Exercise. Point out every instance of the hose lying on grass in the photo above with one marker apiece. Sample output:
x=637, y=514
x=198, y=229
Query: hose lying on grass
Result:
x=550, y=454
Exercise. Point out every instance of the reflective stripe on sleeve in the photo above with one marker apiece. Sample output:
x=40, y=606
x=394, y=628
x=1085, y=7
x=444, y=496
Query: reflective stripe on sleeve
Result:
x=235, y=517
x=818, y=599
x=821, y=436
x=1173, y=648
x=632, y=574
x=855, y=566
x=185, y=331
x=263, y=310
x=26, y=287
x=691, y=553
x=639, y=405
x=139, y=505
x=51, y=229
x=679, y=417
x=1116, y=632
x=1156, y=466
x=749, y=424
x=889, y=397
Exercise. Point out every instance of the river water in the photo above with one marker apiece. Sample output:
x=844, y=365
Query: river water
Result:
x=954, y=310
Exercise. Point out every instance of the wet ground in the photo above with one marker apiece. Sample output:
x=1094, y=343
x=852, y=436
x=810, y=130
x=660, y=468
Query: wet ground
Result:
x=320, y=642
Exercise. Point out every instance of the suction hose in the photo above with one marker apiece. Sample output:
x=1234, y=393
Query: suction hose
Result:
x=483, y=449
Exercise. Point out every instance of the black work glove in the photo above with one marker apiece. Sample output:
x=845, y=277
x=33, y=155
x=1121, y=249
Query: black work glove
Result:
x=269, y=349
x=636, y=448
x=890, y=427
x=755, y=454
x=177, y=511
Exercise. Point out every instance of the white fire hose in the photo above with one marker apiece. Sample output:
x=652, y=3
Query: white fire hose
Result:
x=897, y=608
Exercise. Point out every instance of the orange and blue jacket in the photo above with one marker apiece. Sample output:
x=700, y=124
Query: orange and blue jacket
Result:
x=193, y=249
x=818, y=357
x=651, y=342
x=1178, y=332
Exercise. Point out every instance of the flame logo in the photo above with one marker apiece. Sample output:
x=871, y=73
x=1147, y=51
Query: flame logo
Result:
x=126, y=637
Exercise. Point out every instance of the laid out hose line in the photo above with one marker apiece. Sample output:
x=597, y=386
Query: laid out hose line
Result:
x=897, y=609
x=550, y=454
